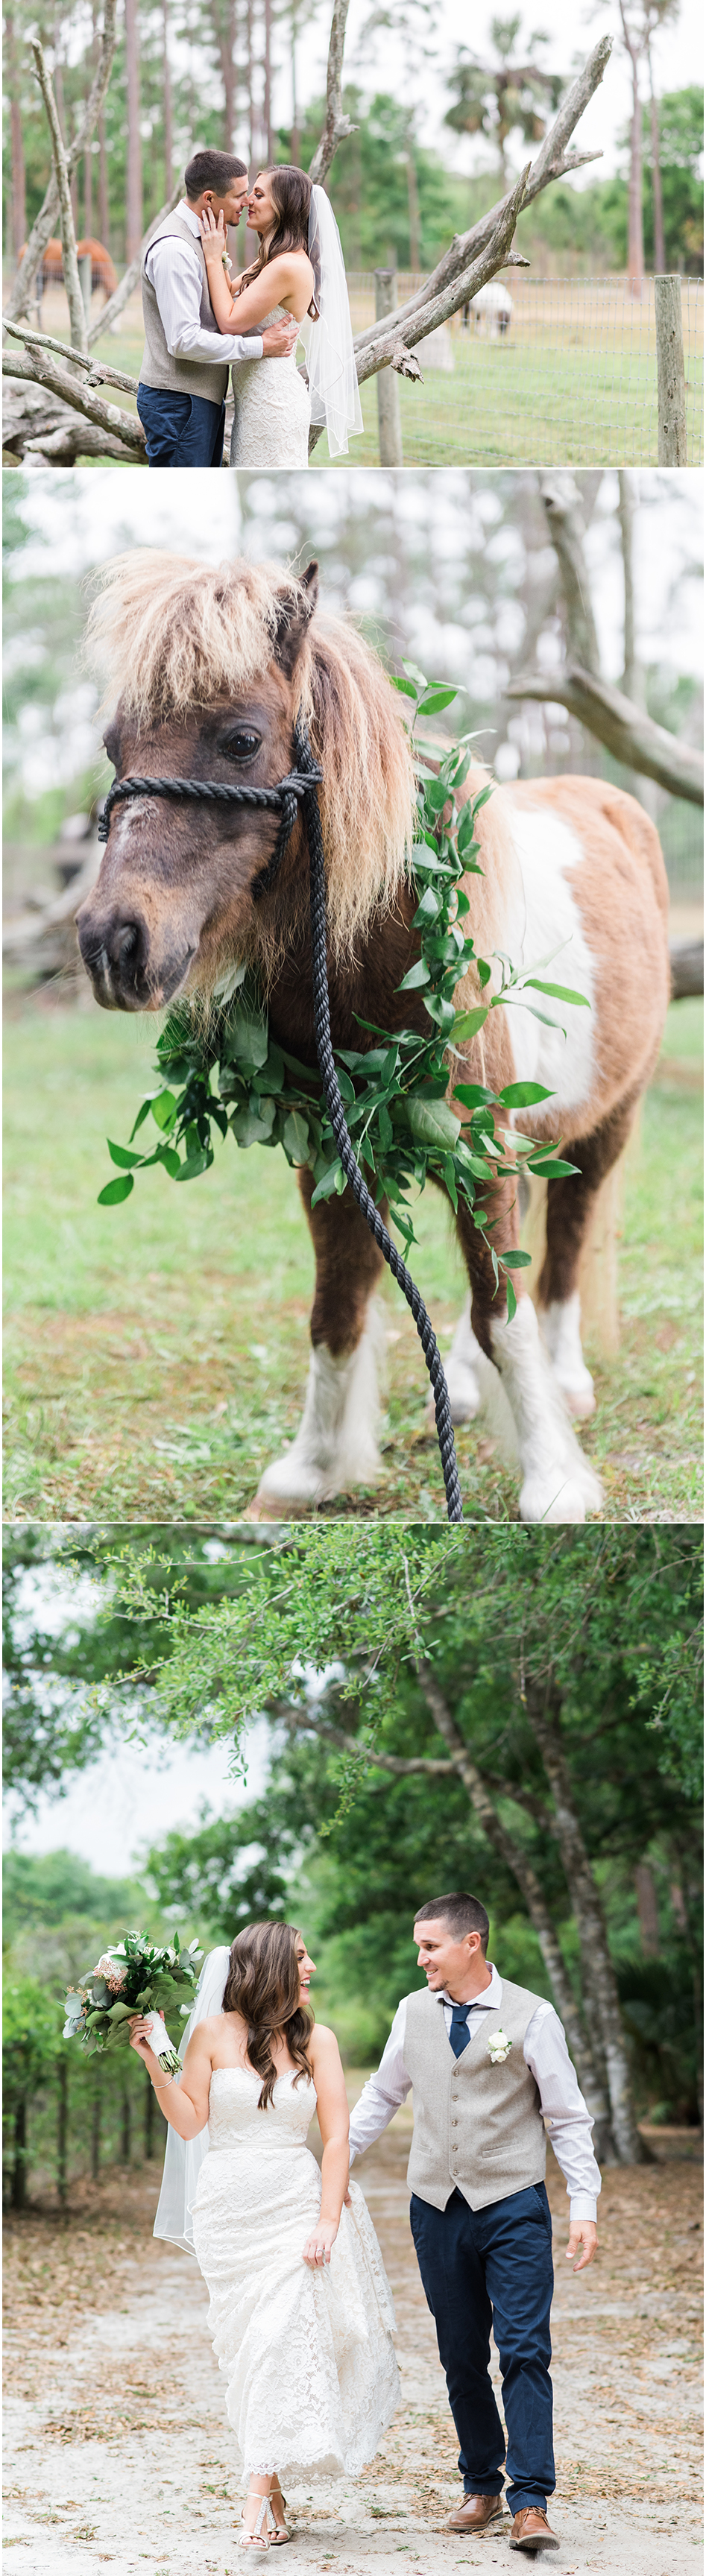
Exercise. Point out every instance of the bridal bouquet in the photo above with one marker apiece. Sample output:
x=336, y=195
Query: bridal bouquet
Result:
x=134, y=1975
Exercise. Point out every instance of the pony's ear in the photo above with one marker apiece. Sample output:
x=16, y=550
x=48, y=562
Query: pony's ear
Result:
x=296, y=608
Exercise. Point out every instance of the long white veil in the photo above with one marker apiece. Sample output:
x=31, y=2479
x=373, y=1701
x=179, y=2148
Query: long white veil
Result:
x=328, y=342
x=183, y=2157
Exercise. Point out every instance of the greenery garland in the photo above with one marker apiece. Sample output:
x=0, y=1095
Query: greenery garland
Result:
x=223, y=1069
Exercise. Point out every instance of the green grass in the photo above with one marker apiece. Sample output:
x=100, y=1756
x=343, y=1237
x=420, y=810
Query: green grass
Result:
x=576, y=394
x=156, y=1353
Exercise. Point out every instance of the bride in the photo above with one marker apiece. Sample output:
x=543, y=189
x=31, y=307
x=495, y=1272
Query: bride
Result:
x=299, y=270
x=301, y=2310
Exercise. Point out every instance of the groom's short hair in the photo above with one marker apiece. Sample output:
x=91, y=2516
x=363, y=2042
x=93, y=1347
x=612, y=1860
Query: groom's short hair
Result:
x=215, y=170
x=462, y=1913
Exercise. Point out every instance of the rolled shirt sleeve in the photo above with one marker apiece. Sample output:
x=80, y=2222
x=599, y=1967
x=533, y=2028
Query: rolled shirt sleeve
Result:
x=384, y=2092
x=176, y=278
x=566, y=2116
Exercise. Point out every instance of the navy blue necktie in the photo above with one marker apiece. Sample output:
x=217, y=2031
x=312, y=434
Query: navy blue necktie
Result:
x=459, y=2033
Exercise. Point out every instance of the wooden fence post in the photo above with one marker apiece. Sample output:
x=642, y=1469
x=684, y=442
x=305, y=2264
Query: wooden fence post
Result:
x=671, y=395
x=389, y=423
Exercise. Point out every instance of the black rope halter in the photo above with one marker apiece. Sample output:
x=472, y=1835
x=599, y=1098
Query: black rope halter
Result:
x=300, y=788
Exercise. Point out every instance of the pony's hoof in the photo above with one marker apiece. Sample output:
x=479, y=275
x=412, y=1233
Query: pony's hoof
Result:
x=561, y=1497
x=464, y=1393
x=579, y=1401
x=291, y=1484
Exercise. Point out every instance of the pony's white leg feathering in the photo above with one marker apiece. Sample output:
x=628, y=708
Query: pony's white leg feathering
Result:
x=560, y=1328
x=558, y=1484
x=336, y=1445
x=463, y=1375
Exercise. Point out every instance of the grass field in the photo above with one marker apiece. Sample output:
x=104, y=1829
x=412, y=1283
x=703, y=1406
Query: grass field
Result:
x=156, y=1353
x=574, y=383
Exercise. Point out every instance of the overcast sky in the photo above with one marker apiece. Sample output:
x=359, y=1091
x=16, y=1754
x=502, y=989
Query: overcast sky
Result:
x=573, y=28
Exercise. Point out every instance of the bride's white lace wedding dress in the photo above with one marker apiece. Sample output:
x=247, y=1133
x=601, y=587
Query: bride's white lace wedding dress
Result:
x=309, y=2362
x=272, y=408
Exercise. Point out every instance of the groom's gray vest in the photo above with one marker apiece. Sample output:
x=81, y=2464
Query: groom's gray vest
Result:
x=478, y=2127
x=179, y=375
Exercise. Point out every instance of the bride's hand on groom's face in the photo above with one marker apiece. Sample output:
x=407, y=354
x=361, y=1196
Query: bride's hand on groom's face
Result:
x=213, y=235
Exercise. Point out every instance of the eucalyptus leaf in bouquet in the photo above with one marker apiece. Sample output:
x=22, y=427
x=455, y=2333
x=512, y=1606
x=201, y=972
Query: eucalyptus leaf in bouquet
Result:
x=134, y=1975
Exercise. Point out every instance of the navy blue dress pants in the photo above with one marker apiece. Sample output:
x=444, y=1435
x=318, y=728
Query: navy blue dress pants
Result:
x=181, y=429
x=494, y=2267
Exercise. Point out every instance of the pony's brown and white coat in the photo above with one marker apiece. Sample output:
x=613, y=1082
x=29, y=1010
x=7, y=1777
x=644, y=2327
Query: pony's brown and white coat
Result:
x=204, y=661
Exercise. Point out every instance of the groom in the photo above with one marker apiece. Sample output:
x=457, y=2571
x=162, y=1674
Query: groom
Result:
x=184, y=372
x=491, y=2072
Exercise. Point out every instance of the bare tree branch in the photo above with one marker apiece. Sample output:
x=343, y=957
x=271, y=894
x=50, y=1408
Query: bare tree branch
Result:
x=40, y=370
x=72, y=282
x=565, y=520
x=337, y=125
x=553, y=162
x=122, y=293
x=633, y=737
x=23, y=285
x=96, y=370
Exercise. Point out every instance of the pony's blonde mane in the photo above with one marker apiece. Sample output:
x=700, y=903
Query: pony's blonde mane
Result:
x=177, y=636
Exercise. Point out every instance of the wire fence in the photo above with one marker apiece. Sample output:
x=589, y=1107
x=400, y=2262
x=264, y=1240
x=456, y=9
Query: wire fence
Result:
x=569, y=377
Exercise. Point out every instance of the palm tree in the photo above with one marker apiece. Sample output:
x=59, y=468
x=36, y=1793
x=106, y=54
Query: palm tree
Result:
x=494, y=99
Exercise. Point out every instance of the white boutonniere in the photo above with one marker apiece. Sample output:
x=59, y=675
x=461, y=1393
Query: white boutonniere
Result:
x=498, y=2046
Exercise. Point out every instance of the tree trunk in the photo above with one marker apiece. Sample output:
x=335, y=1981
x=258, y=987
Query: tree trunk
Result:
x=636, y=255
x=415, y=244
x=267, y=101
x=18, y=2188
x=598, y=1985
x=587, y=2059
x=133, y=208
x=103, y=200
x=19, y=212
x=659, y=262
x=62, y=2129
x=167, y=106
x=125, y=2125
x=96, y=2130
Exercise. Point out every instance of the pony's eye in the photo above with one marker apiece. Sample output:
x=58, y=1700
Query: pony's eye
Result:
x=241, y=744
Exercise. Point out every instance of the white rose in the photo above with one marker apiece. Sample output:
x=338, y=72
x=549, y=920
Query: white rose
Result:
x=498, y=2046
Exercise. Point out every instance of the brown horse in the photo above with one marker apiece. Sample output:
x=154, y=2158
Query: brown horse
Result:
x=211, y=669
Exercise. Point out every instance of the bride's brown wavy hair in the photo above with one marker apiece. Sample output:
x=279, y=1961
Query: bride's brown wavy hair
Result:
x=263, y=1984
x=290, y=190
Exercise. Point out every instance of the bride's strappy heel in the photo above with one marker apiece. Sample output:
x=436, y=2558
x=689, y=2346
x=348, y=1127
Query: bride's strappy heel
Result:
x=280, y=2533
x=259, y=2537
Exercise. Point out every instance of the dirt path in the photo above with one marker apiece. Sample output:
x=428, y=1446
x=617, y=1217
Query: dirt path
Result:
x=118, y=2453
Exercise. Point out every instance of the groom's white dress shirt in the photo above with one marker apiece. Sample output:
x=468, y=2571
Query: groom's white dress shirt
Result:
x=564, y=2112
x=177, y=279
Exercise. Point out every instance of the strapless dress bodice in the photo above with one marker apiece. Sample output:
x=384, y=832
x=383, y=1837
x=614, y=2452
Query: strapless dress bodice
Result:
x=235, y=2118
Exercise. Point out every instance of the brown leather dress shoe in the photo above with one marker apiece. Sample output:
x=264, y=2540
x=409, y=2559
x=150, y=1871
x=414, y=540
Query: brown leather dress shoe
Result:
x=476, y=2513
x=530, y=2529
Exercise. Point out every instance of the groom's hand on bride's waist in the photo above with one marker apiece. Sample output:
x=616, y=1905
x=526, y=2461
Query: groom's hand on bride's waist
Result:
x=583, y=2241
x=279, y=337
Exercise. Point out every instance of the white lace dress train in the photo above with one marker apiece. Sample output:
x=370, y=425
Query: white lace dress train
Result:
x=308, y=2357
x=272, y=408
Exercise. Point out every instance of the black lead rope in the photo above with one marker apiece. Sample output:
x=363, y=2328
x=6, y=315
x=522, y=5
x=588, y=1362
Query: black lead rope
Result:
x=301, y=787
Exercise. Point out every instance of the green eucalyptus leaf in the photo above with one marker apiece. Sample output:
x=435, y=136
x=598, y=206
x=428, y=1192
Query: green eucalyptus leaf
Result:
x=115, y=1191
x=517, y=1260
x=557, y=992
x=428, y=909
x=417, y=976
x=433, y=1122
x=434, y=699
x=523, y=1095
x=119, y=1154
x=467, y=1023
x=511, y=1298
x=557, y=1171
x=295, y=1137
x=164, y=1111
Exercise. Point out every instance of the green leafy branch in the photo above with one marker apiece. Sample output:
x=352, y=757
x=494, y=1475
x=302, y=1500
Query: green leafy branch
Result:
x=220, y=1068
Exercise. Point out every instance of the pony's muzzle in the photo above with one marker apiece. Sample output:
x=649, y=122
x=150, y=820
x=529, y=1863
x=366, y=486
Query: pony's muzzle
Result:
x=118, y=956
